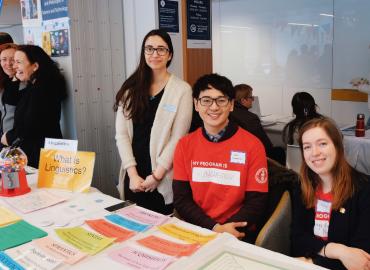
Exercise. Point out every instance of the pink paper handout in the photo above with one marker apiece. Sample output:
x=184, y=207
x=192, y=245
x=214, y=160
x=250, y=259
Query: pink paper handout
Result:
x=61, y=251
x=143, y=215
x=140, y=260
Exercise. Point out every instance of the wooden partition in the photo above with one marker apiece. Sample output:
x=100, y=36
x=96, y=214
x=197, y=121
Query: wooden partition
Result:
x=197, y=62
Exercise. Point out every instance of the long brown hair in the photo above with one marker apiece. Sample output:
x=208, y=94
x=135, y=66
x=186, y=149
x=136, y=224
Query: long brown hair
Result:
x=133, y=95
x=342, y=186
x=3, y=75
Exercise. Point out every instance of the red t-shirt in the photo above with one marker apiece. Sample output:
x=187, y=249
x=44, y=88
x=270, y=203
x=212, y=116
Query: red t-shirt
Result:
x=221, y=172
x=322, y=213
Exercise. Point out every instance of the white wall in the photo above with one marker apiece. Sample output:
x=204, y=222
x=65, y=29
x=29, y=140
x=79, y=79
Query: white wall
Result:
x=11, y=20
x=282, y=47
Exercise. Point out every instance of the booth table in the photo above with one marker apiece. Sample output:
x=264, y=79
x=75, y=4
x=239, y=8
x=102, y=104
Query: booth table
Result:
x=223, y=252
x=357, y=150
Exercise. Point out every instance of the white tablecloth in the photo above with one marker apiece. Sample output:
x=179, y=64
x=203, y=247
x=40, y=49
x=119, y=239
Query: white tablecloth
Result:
x=357, y=151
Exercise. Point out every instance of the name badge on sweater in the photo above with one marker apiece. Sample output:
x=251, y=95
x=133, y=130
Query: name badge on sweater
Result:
x=169, y=107
x=237, y=157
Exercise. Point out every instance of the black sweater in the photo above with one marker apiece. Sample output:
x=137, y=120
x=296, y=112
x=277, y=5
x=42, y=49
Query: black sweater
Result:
x=351, y=228
x=37, y=117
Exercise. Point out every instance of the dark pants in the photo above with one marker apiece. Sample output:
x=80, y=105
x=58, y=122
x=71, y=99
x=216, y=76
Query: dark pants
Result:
x=151, y=200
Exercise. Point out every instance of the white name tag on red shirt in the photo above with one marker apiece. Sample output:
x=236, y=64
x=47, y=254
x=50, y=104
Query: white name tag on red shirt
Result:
x=322, y=218
x=237, y=157
x=217, y=176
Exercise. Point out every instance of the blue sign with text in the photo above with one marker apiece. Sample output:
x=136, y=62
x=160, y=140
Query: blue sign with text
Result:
x=168, y=15
x=54, y=9
x=198, y=19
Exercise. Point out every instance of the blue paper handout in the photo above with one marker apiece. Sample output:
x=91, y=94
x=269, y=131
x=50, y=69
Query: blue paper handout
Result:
x=127, y=223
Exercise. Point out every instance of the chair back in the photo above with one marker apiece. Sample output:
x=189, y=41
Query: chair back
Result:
x=293, y=157
x=256, y=109
x=275, y=234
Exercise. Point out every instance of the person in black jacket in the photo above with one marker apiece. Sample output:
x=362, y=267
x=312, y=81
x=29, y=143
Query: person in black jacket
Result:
x=331, y=209
x=38, y=112
x=251, y=122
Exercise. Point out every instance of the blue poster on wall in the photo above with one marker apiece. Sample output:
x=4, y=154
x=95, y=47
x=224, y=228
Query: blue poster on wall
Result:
x=168, y=15
x=54, y=9
x=1, y=5
x=198, y=19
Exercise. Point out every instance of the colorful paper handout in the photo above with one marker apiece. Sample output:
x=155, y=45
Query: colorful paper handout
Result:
x=18, y=233
x=66, y=169
x=84, y=240
x=168, y=247
x=32, y=257
x=7, y=216
x=143, y=215
x=139, y=259
x=8, y=263
x=59, y=250
x=110, y=230
x=129, y=224
x=186, y=235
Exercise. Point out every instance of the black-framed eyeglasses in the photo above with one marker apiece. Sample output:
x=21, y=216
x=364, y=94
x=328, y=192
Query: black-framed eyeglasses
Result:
x=160, y=50
x=208, y=101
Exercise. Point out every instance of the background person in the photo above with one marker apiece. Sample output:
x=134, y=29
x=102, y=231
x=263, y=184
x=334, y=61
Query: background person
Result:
x=220, y=170
x=331, y=209
x=251, y=122
x=9, y=87
x=304, y=109
x=154, y=110
x=37, y=115
x=5, y=38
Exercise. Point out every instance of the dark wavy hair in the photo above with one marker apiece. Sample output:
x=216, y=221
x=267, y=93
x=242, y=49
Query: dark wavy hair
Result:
x=304, y=108
x=3, y=75
x=133, y=94
x=215, y=80
x=343, y=183
x=5, y=38
x=48, y=74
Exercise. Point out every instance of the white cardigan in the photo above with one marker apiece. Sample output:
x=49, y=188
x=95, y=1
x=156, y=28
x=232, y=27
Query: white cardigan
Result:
x=171, y=122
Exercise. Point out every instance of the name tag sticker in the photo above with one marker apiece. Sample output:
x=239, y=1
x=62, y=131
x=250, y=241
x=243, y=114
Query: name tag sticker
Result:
x=169, y=107
x=323, y=206
x=217, y=176
x=238, y=157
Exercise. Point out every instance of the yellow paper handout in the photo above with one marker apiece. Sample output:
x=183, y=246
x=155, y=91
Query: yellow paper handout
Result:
x=84, y=240
x=66, y=169
x=186, y=235
x=7, y=216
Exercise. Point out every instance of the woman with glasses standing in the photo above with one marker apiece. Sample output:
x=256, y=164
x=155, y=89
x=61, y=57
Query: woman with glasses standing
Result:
x=154, y=110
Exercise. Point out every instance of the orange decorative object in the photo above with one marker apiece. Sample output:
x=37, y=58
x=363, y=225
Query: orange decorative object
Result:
x=13, y=181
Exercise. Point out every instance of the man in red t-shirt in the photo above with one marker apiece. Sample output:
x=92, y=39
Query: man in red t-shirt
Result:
x=220, y=170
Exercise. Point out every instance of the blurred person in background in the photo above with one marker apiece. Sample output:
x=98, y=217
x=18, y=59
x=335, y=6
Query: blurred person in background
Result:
x=304, y=109
x=37, y=115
